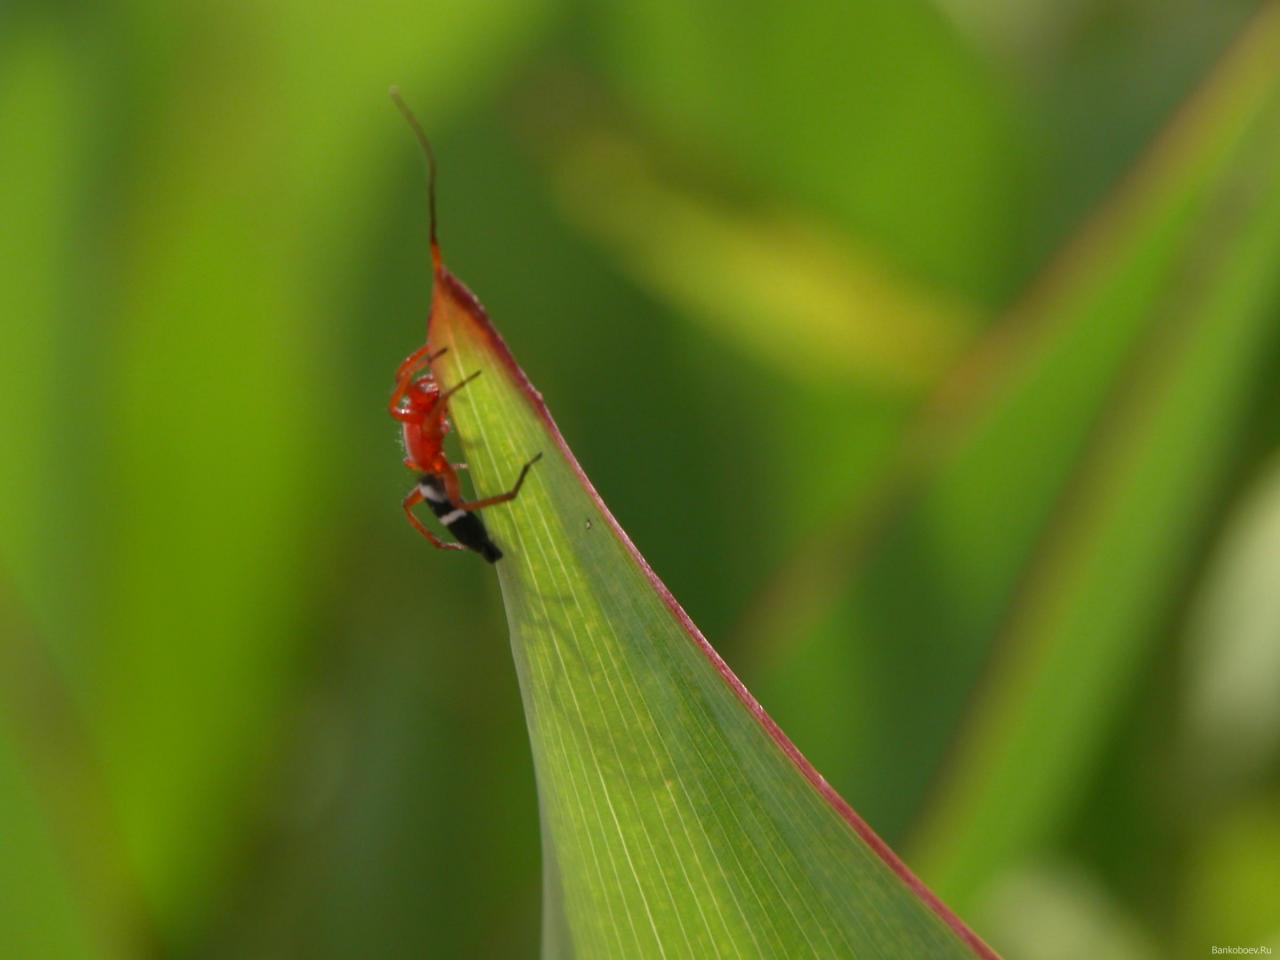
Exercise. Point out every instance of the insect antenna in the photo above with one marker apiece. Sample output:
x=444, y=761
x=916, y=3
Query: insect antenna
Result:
x=431, y=166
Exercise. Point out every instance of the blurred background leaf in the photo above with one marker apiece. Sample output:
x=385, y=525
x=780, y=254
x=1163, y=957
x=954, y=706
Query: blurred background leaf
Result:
x=245, y=714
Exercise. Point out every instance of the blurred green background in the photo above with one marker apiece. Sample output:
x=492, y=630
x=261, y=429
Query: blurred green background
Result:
x=988, y=516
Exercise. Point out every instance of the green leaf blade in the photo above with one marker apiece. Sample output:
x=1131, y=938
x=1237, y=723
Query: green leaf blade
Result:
x=682, y=821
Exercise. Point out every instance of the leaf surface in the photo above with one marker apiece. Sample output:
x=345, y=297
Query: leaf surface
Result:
x=679, y=821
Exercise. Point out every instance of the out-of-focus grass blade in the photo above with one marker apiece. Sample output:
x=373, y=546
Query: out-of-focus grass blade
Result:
x=1110, y=563
x=48, y=907
x=64, y=889
x=1050, y=911
x=1233, y=654
x=1231, y=714
x=901, y=600
x=761, y=278
x=878, y=114
x=678, y=820
x=40, y=142
x=39, y=913
x=1241, y=843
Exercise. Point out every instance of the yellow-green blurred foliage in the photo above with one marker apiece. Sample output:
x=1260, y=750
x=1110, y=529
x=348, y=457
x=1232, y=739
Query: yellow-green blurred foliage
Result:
x=1002, y=562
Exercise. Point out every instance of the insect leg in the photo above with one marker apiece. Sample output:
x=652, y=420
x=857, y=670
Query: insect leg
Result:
x=458, y=386
x=473, y=505
x=408, y=370
x=414, y=498
x=442, y=404
x=417, y=360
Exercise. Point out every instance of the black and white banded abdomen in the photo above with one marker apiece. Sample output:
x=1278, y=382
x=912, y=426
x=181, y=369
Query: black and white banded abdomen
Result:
x=467, y=527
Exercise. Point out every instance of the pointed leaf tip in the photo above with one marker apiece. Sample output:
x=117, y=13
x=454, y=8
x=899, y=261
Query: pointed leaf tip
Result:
x=679, y=820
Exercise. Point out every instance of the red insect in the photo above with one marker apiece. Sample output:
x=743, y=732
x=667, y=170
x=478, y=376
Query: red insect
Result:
x=423, y=411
